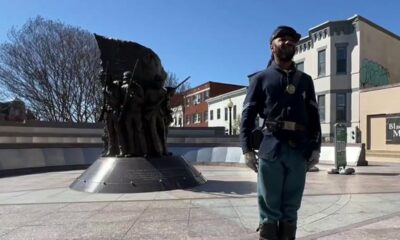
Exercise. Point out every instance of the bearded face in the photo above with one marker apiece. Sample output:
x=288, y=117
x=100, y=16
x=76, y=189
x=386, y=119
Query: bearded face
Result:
x=285, y=53
x=283, y=48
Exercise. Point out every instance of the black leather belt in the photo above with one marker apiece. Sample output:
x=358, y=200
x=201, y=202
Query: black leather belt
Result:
x=283, y=125
x=292, y=126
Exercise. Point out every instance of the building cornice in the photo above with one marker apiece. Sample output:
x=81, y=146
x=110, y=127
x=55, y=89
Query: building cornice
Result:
x=372, y=24
x=394, y=85
x=329, y=28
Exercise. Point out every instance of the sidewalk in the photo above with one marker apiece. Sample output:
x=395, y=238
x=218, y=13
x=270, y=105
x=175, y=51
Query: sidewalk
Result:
x=41, y=206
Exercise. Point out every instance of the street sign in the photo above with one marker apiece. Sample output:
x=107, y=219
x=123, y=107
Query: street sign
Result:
x=340, y=145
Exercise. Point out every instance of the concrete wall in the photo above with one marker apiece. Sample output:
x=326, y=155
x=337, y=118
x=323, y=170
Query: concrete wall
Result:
x=194, y=150
x=223, y=154
x=197, y=145
x=35, y=132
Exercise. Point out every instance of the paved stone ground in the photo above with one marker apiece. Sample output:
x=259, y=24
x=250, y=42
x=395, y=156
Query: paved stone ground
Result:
x=41, y=206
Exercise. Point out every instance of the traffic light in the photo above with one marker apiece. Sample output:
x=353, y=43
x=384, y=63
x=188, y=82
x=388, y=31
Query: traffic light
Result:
x=353, y=135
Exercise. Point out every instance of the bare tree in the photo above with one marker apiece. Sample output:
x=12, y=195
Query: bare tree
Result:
x=3, y=96
x=53, y=68
x=172, y=81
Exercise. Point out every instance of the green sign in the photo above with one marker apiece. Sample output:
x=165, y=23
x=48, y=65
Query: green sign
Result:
x=340, y=145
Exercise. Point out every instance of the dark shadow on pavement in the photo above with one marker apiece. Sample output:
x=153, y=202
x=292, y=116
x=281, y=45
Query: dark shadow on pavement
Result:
x=38, y=170
x=383, y=164
x=236, y=187
x=377, y=174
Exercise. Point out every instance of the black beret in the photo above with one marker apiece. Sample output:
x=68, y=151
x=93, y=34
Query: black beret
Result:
x=285, y=31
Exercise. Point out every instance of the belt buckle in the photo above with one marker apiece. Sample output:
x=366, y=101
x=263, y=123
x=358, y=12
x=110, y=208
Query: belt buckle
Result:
x=289, y=125
x=292, y=144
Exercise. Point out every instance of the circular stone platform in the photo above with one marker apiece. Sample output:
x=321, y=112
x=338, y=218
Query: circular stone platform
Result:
x=138, y=174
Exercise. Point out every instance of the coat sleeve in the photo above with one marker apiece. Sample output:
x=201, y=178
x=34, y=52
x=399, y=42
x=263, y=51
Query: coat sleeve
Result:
x=251, y=105
x=313, y=116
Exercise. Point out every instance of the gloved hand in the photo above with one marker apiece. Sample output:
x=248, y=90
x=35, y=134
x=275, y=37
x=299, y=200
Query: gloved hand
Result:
x=313, y=160
x=251, y=160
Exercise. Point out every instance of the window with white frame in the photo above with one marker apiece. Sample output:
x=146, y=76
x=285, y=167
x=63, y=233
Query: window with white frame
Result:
x=206, y=94
x=321, y=63
x=341, y=59
x=341, y=107
x=195, y=99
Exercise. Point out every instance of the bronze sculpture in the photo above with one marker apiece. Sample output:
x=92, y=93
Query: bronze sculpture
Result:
x=132, y=107
x=136, y=111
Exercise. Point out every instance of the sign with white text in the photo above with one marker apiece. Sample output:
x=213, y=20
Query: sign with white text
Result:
x=393, y=130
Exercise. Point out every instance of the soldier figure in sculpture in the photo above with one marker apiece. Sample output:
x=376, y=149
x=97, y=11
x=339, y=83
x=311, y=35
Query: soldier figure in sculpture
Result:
x=111, y=110
x=155, y=126
x=131, y=116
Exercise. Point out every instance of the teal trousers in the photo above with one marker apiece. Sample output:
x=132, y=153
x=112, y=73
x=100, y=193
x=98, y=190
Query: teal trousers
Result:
x=281, y=180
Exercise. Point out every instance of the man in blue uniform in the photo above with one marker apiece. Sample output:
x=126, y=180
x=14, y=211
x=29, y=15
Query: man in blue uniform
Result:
x=285, y=98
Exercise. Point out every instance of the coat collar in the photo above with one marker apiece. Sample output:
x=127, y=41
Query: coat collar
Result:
x=277, y=68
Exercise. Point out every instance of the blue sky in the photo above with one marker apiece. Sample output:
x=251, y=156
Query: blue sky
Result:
x=210, y=40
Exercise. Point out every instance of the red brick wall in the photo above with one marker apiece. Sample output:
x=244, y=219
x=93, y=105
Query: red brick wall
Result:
x=177, y=100
x=200, y=108
x=221, y=88
x=190, y=109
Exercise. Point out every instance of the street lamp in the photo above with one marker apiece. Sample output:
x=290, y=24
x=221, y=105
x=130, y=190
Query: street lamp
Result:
x=230, y=105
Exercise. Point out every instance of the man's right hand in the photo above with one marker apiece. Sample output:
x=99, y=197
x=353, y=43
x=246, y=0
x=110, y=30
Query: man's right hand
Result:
x=313, y=160
x=251, y=160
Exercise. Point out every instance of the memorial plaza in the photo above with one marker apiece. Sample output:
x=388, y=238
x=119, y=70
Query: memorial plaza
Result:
x=42, y=206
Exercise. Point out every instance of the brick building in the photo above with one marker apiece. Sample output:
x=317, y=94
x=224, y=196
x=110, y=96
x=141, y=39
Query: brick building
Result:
x=195, y=109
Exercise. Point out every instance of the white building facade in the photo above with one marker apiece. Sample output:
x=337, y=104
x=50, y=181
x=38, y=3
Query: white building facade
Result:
x=343, y=57
x=221, y=107
x=177, y=116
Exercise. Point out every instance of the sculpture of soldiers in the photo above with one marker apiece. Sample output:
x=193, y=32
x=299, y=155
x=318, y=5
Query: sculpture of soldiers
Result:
x=131, y=116
x=155, y=126
x=166, y=114
x=166, y=106
x=111, y=110
x=105, y=140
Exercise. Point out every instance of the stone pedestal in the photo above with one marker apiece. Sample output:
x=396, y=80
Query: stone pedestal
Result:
x=138, y=174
